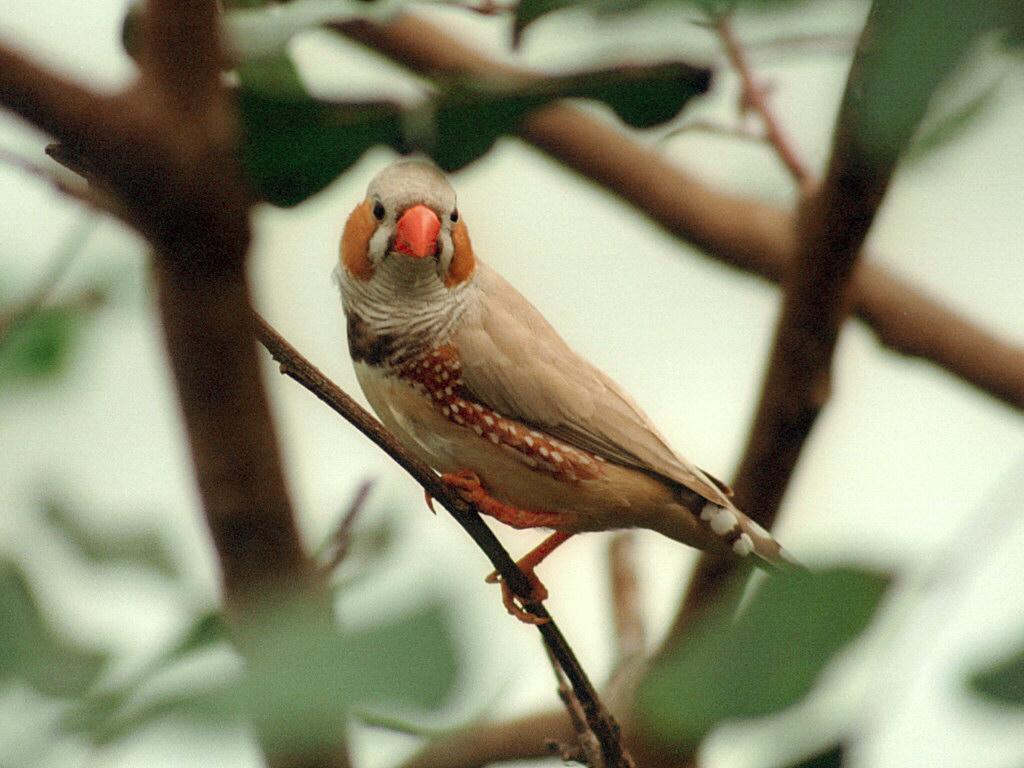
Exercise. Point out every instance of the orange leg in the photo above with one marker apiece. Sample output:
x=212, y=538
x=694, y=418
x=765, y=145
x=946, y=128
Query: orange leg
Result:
x=469, y=486
x=527, y=563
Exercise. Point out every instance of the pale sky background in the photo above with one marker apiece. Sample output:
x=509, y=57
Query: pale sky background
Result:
x=907, y=468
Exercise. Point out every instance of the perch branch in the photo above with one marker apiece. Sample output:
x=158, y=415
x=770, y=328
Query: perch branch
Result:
x=298, y=368
x=752, y=236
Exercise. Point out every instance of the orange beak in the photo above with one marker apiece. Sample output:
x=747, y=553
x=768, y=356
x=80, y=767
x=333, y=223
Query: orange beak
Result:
x=416, y=234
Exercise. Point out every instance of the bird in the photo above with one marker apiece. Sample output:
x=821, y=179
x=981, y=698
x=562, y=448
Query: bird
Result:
x=472, y=379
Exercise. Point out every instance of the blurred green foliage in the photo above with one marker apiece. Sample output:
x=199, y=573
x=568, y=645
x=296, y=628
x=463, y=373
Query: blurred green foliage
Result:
x=31, y=651
x=295, y=145
x=146, y=549
x=1003, y=681
x=37, y=347
x=304, y=673
x=764, y=661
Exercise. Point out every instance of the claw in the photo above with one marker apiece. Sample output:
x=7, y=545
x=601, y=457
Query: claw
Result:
x=430, y=501
x=516, y=605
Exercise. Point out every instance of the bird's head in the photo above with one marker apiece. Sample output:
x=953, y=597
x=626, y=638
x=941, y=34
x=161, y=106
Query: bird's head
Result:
x=409, y=214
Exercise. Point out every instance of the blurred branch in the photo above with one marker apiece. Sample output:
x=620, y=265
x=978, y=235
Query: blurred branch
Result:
x=89, y=197
x=750, y=235
x=342, y=538
x=478, y=745
x=630, y=637
x=298, y=368
x=165, y=147
x=756, y=97
x=834, y=223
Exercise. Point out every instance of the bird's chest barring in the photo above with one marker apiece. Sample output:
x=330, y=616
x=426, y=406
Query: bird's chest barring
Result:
x=437, y=375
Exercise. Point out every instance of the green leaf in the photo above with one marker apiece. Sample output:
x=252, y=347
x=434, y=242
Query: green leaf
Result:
x=829, y=758
x=106, y=715
x=303, y=676
x=273, y=76
x=1003, y=681
x=145, y=548
x=764, y=662
x=294, y=147
x=31, y=652
x=940, y=132
x=38, y=347
x=209, y=629
x=471, y=116
x=912, y=48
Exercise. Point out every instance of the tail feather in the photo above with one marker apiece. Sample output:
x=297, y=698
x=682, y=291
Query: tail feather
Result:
x=745, y=537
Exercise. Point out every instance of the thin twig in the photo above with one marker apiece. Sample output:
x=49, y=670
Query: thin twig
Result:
x=754, y=94
x=716, y=129
x=89, y=197
x=587, y=749
x=749, y=235
x=341, y=541
x=298, y=368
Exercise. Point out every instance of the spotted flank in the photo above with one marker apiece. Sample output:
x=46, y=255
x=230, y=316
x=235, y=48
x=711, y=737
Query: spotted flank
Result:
x=744, y=536
x=438, y=375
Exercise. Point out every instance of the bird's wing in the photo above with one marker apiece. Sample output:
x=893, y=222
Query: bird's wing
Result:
x=516, y=363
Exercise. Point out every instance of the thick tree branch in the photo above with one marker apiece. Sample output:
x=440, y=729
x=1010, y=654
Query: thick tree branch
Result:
x=482, y=744
x=181, y=52
x=166, y=149
x=752, y=236
x=834, y=223
x=298, y=368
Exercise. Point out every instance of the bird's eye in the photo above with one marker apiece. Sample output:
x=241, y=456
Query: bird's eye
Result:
x=455, y=216
x=378, y=210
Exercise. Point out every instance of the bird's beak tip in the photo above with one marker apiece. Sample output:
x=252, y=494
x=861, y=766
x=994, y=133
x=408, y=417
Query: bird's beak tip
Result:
x=416, y=232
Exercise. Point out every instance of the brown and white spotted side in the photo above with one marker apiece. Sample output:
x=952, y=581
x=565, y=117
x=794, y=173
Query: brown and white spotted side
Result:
x=438, y=376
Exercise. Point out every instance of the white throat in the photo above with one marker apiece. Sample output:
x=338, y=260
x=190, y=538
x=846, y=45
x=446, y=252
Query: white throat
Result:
x=405, y=302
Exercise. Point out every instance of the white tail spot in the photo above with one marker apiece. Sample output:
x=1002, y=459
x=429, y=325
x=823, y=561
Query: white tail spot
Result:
x=744, y=545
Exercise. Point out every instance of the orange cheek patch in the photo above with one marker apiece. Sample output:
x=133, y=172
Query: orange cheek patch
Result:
x=463, y=261
x=355, y=241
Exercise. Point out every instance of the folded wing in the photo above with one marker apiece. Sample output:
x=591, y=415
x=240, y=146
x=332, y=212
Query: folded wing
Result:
x=516, y=363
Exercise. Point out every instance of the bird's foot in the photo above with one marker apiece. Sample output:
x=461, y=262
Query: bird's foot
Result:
x=468, y=484
x=516, y=604
x=538, y=592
